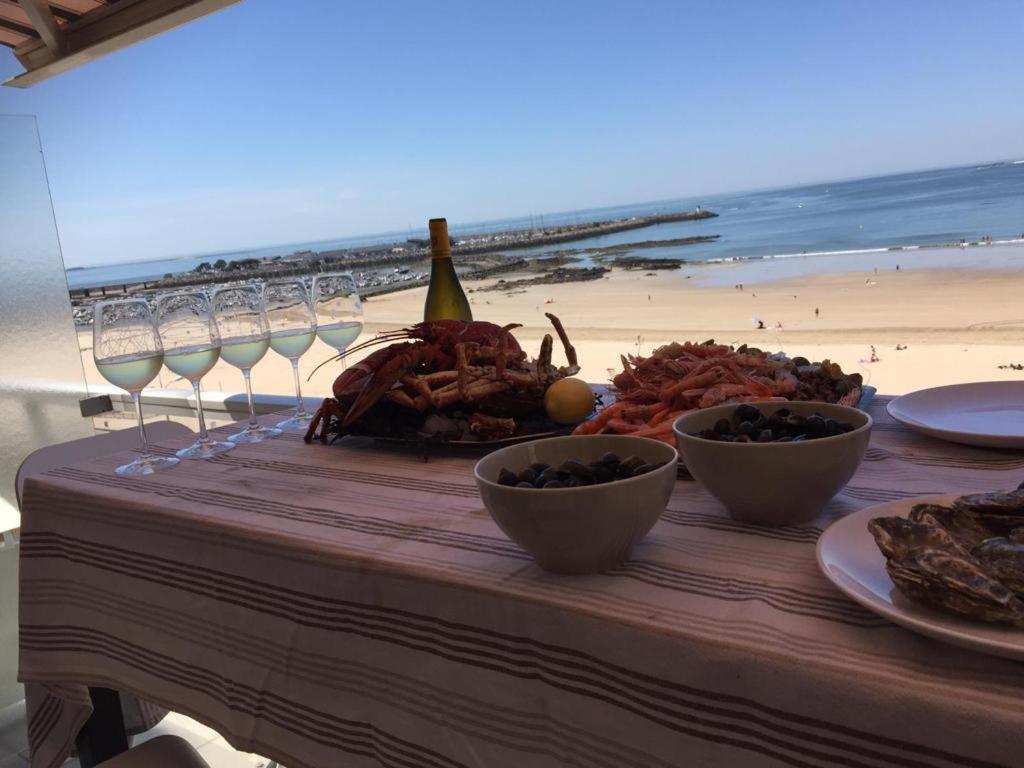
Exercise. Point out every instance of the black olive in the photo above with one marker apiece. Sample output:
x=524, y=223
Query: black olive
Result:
x=603, y=474
x=577, y=469
x=764, y=436
x=611, y=458
x=747, y=412
x=528, y=476
x=784, y=439
x=742, y=439
x=547, y=476
x=539, y=467
x=747, y=428
x=722, y=427
x=776, y=421
x=525, y=485
x=795, y=421
x=554, y=484
x=643, y=469
x=799, y=438
x=507, y=477
x=628, y=464
x=815, y=425
x=783, y=412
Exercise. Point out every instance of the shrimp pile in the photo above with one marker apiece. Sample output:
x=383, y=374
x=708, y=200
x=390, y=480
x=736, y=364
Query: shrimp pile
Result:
x=678, y=378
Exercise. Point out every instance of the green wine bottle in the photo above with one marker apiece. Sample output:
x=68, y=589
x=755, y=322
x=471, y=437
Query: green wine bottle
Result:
x=445, y=297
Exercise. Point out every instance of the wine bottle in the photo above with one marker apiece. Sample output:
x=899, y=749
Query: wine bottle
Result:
x=445, y=297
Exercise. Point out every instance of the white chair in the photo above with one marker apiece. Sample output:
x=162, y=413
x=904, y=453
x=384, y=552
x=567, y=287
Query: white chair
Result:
x=58, y=455
x=160, y=752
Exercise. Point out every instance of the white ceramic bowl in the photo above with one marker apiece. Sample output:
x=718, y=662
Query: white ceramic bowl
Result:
x=773, y=483
x=585, y=529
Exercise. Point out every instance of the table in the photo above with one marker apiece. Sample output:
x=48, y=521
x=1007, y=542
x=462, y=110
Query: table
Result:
x=350, y=606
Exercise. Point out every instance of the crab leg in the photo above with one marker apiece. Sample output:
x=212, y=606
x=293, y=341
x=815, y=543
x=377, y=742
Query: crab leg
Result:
x=570, y=350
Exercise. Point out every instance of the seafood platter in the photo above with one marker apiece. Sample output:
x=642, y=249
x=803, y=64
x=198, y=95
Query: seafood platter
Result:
x=951, y=567
x=447, y=382
x=466, y=383
x=676, y=379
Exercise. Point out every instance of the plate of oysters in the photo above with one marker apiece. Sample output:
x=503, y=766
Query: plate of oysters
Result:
x=950, y=567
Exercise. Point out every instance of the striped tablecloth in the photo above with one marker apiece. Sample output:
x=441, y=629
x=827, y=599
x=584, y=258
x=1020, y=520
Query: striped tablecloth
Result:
x=348, y=606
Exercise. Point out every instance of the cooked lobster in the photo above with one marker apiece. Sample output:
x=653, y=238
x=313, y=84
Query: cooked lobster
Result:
x=437, y=364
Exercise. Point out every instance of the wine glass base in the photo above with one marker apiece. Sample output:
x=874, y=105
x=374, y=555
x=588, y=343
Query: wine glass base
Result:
x=296, y=422
x=255, y=434
x=204, y=449
x=147, y=465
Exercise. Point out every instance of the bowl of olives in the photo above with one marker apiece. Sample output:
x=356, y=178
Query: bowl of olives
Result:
x=578, y=504
x=773, y=463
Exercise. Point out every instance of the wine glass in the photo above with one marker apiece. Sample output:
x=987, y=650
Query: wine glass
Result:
x=191, y=348
x=292, y=330
x=339, y=312
x=128, y=354
x=244, y=339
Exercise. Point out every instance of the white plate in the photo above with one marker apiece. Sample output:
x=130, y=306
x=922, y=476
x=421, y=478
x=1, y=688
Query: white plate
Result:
x=985, y=413
x=850, y=559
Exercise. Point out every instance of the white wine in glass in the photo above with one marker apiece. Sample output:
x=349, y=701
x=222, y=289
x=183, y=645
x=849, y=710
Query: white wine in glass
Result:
x=191, y=348
x=241, y=322
x=338, y=309
x=292, y=330
x=128, y=354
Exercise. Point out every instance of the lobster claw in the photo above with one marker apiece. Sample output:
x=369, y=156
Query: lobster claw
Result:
x=403, y=359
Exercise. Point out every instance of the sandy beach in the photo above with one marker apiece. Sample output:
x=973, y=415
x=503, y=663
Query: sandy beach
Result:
x=957, y=324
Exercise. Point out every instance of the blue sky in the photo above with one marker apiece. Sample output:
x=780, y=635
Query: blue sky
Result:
x=274, y=122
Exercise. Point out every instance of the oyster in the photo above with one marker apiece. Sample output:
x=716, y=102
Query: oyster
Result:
x=900, y=537
x=956, y=584
x=961, y=524
x=1004, y=560
x=929, y=565
x=1001, y=511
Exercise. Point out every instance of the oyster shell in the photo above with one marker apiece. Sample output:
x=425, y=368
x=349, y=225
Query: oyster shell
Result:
x=956, y=584
x=929, y=565
x=901, y=537
x=1001, y=511
x=961, y=524
x=1004, y=560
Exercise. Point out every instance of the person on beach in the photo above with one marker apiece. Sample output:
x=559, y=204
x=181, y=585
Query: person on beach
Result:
x=897, y=267
x=817, y=312
x=874, y=355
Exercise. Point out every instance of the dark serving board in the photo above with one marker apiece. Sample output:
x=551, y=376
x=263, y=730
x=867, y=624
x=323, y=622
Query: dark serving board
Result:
x=428, y=447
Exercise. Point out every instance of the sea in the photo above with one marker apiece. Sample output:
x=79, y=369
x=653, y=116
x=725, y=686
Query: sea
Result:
x=941, y=206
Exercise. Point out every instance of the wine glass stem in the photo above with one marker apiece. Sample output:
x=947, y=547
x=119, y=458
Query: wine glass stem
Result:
x=344, y=360
x=144, y=447
x=298, y=388
x=203, y=434
x=252, y=405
